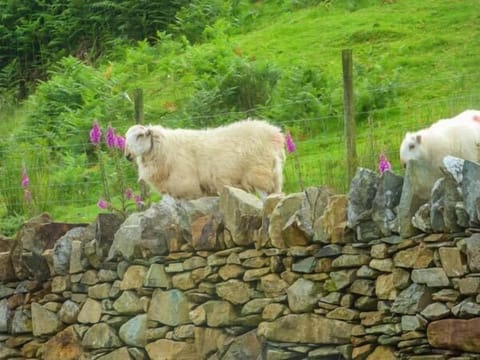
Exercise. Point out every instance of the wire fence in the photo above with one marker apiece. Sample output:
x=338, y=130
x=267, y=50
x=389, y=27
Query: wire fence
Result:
x=320, y=158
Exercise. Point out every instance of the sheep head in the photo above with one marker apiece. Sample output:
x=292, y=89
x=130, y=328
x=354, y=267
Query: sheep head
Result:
x=410, y=147
x=138, y=141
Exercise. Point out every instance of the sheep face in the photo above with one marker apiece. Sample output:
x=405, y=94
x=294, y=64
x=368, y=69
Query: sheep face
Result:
x=138, y=141
x=410, y=148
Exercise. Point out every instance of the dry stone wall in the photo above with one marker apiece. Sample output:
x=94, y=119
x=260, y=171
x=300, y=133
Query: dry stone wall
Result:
x=311, y=275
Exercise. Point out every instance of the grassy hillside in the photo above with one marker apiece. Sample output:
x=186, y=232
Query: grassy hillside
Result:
x=415, y=61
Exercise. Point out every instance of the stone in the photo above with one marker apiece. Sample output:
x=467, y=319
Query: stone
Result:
x=328, y=251
x=100, y=336
x=100, y=291
x=7, y=271
x=417, y=257
x=343, y=313
x=387, y=198
x=422, y=219
x=362, y=287
x=273, y=311
x=5, y=315
x=21, y=321
x=412, y=300
x=245, y=346
x=455, y=334
x=63, y=248
x=361, y=194
x=348, y=261
x=209, y=341
x=469, y=285
x=452, y=261
x=235, y=291
x=65, y=345
x=171, y=350
x=272, y=285
x=255, y=306
x=435, y=311
x=128, y=304
x=242, y=214
x=367, y=231
x=382, y=353
x=118, y=354
x=305, y=266
x=302, y=295
x=183, y=281
x=471, y=189
x=44, y=321
x=134, y=277
x=385, y=265
x=339, y=280
x=309, y=328
x=412, y=197
x=331, y=226
x=446, y=295
x=283, y=229
x=133, y=332
x=68, y=312
x=90, y=312
x=219, y=313
x=432, y=277
x=231, y=271
x=413, y=323
x=473, y=252
x=156, y=277
x=466, y=309
x=169, y=307
x=106, y=225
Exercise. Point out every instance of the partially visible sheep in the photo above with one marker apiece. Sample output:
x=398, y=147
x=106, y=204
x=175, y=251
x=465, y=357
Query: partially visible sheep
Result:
x=458, y=136
x=188, y=164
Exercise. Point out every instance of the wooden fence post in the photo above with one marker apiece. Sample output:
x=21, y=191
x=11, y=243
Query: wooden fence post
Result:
x=349, y=114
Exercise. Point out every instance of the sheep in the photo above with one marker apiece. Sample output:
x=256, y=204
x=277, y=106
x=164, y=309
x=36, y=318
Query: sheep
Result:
x=458, y=136
x=188, y=164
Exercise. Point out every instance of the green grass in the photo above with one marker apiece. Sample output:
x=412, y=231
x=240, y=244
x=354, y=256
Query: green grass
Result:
x=427, y=48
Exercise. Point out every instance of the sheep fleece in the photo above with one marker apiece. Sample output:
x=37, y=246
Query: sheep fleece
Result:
x=189, y=164
x=458, y=136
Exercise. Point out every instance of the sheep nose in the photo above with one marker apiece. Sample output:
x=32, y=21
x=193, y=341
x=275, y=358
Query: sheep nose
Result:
x=129, y=157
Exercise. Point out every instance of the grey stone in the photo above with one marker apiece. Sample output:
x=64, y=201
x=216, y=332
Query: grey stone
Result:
x=473, y=252
x=367, y=231
x=412, y=300
x=471, y=189
x=386, y=201
x=432, y=277
x=242, y=214
x=466, y=309
x=422, y=218
x=306, y=265
x=128, y=303
x=5, y=314
x=169, y=307
x=302, y=295
x=101, y=336
x=349, y=261
x=313, y=206
x=339, y=280
x=133, y=332
x=331, y=250
x=413, y=323
x=44, y=321
x=436, y=311
x=68, y=312
x=21, y=321
x=413, y=196
x=363, y=188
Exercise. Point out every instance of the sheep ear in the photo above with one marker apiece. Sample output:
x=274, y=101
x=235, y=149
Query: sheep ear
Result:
x=418, y=139
x=148, y=132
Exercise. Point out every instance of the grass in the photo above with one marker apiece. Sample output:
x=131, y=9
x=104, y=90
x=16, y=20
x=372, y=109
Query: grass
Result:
x=428, y=48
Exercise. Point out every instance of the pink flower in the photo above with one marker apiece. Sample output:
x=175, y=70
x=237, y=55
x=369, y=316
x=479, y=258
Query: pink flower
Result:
x=110, y=137
x=289, y=142
x=129, y=193
x=138, y=200
x=95, y=133
x=120, y=142
x=25, y=179
x=102, y=204
x=384, y=164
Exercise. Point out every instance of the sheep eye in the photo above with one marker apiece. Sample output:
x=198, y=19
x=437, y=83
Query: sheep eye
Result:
x=411, y=146
x=140, y=136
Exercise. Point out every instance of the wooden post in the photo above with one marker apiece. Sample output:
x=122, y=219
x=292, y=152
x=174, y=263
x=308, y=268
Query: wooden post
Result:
x=138, y=104
x=349, y=114
x=139, y=117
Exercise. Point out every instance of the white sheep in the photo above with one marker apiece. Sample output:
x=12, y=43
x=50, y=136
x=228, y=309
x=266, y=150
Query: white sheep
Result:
x=458, y=136
x=189, y=164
